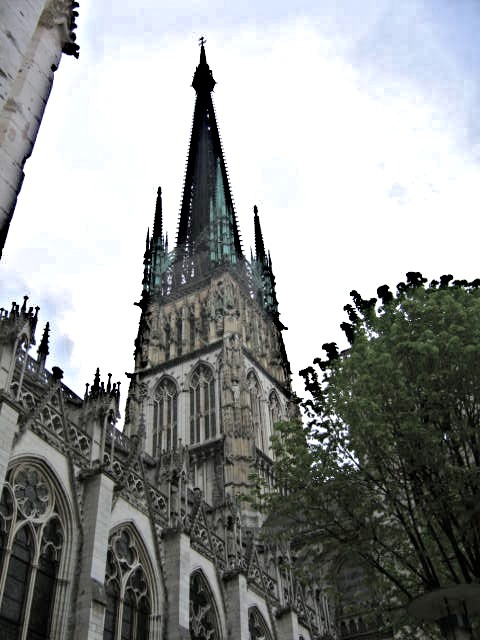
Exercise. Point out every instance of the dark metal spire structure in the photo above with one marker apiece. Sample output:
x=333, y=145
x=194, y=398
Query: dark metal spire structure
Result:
x=208, y=224
x=267, y=296
x=259, y=246
x=158, y=221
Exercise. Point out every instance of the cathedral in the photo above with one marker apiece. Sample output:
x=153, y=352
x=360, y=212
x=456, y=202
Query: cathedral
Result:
x=141, y=530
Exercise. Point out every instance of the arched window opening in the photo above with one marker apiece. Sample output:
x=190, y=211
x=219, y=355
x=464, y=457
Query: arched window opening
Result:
x=15, y=592
x=112, y=592
x=168, y=340
x=203, y=613
x=275, y=409
x=128, y=609
x=256, y=407
x=45, y=581
x=31, y=544
x=192, y=325
x=165, y=429
x=179, y=322
x=257, y=626
x=202, y=405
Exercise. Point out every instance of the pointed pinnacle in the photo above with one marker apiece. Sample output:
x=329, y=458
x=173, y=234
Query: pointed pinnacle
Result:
x=158, y=221
x=203, y=80
x=259, y=246
x=43, y=346
x=96, y=380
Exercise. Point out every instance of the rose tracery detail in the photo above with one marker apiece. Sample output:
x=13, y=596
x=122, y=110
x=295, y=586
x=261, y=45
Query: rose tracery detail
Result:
x=32, y=492
x=203, y=616
x=128, y=594
x=257, y=626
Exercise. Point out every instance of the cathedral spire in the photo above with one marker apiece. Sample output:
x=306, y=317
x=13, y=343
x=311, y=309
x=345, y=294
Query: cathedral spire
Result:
x=264, y=269
x=207, y=229
x=43, y=350
x=158, y=221
x=259, y=246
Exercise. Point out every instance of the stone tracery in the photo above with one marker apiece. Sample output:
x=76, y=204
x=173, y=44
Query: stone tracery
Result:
x=257, y=627
x=31, y=546
x=128, y=595
x=203, y=615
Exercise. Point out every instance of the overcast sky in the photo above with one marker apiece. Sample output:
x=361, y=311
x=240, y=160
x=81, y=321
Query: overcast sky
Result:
x=353, y=126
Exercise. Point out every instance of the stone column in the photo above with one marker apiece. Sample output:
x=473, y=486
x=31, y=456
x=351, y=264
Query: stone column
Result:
x=9, y=413
x=237, y=612
x=177, y=577
x=91, y=592
x=287, y=624
x=22, y=114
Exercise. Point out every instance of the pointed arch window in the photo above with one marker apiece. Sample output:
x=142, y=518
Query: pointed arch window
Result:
x=275, y=408
x=179, y=331
x=202, y=405
x=257, y=627
x=165, y=417
x=128, y=608
x=257, y=410
x=31, y=544
x=204, y=623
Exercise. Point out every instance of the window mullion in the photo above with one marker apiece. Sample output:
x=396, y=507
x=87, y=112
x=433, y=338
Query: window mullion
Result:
x=28, y=603
x=8, y=554
x=6, y=562
x=134, y=623
x=119, y=620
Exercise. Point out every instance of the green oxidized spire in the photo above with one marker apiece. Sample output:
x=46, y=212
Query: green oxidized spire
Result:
x=207, y=225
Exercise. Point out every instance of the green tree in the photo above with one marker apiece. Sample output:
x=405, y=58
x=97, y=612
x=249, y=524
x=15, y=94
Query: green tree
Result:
x=388, y=465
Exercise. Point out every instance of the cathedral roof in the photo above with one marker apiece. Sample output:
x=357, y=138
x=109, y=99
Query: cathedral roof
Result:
x=207, y=217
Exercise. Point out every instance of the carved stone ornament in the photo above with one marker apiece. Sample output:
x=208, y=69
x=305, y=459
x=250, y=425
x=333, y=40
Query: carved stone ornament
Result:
x=32, y=492
x=57, y=13
x=257, y=626
x=203, y=616
x=124, y=567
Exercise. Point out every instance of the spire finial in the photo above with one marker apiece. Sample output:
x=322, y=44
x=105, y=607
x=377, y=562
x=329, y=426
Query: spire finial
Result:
x=43, y=346
x=158, y=220
x=43, y=350
x=259, y=245
x=203, y=81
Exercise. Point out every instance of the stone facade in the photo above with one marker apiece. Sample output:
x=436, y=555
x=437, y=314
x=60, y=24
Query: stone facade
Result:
x=33, y=35
x=144, y=532
x=134, y=537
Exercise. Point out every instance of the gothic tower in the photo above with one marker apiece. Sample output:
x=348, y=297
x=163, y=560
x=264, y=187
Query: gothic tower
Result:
x=211, y=374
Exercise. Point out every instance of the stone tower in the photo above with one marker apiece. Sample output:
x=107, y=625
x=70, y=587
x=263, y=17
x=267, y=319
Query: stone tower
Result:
x=211, y=374
x=144, y=534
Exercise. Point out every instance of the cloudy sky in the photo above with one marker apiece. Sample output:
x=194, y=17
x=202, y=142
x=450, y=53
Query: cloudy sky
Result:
x=354, y=127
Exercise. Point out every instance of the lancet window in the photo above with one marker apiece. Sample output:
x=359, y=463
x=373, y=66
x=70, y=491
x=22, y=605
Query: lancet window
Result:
x=202, y=405
x=179, y=322
x=191, y=324
x=128, y=608
x=165, y=417
x=257, y=409
x=168, y=339
x=203, y=613
x=257, y=627
x=31, y=547
x=275, y=408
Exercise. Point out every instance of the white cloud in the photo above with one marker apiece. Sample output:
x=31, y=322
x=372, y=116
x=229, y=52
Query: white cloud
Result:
x=359, y=177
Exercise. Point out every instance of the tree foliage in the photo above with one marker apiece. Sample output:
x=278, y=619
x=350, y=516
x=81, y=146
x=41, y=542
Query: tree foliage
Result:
x=388, y=465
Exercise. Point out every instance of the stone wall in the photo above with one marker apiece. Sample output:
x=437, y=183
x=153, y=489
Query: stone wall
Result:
x=33, y=34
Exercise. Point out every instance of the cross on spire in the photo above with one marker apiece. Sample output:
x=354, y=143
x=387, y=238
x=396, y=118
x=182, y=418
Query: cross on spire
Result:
x=202, y=41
